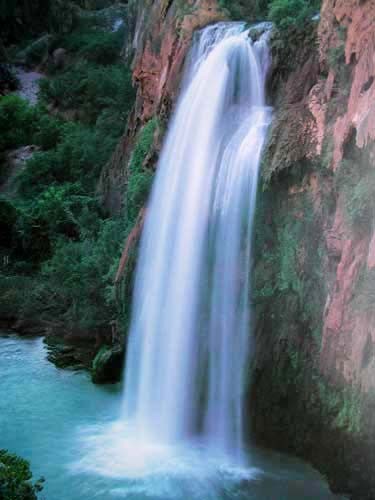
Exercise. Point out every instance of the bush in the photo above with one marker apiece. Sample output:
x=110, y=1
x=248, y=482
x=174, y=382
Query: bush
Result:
x=78, y=157
x=16, y=122
x=77, y=279
x=250, y=10
x=47, y=131
x=15, y=478
x=140, y=178
x=92, y=89
x=63, y=255
x=101, y=47
x=288, y=13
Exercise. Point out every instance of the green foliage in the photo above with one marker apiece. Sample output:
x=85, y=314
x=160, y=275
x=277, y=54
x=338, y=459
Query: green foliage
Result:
x=91, y=89
x=232, y=8
x=22, y=124
x=47, y=130
x=140, y=178
x=78, y=157
x=356, y=180
x=288, y=277
x=244, y=9
x=16, y=122
x=291, y=13
x=364, y=294
x=349, y=416
x=336, y=56
x=59, y=252
x=15, y=476
x=95, y=45
x=14, y=290
x=77, y=279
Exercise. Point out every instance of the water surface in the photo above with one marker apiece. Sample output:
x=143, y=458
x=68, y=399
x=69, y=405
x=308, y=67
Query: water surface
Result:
x=68, y=428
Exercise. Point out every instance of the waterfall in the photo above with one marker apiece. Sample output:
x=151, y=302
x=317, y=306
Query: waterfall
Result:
x=189, y=342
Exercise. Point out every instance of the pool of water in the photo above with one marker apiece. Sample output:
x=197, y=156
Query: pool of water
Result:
x=70, y=431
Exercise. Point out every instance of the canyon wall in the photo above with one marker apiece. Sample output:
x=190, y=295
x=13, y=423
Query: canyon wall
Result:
x=157, y=45
x=313, y=390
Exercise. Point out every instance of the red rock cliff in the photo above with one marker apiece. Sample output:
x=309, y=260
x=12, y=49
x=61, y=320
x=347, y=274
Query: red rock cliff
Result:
x=163, y=30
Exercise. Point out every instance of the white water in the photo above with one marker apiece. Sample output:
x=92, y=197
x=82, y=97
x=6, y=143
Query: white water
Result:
x=190, y=331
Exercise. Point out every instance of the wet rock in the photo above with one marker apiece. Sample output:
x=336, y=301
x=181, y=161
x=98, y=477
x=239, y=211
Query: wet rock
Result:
x=108, y=364
x=59, y=57
x=73, y=354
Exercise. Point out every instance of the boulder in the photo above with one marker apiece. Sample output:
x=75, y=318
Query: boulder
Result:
x=108, y=364
x=59, y=57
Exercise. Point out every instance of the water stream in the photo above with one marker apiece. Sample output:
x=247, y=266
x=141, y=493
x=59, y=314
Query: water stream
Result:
x=189, y=338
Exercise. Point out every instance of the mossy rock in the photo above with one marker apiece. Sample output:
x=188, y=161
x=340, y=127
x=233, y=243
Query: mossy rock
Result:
x=108, y=365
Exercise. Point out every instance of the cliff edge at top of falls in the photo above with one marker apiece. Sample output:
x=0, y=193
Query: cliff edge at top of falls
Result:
x=158, y=43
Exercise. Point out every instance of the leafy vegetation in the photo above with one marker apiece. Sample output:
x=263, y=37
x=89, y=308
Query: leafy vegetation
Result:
x=355, y=179
x=140, y=178
x=59, y=249
x=283, y=13
x=92, y=91
x=15, y=478
x=292, y=13
x=16, y=122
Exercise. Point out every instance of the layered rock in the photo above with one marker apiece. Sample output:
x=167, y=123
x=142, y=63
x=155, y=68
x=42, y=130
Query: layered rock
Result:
x=313, y=391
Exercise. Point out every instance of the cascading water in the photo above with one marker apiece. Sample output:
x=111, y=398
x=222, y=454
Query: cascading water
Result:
x=179, y=435
x=189, y=337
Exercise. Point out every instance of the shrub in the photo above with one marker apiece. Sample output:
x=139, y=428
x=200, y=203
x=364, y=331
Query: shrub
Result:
x=48, y=131
x=78, y=157
x=80, y=274
x=250, y=10
x=287, y=13
x=15, y=478
x=16, y=122
x=101, y=47
x=63, y=255
x=140, y=178
x=91, y=89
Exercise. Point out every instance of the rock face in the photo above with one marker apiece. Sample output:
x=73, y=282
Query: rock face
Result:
x=313, y=391
x=161, y=37
x=108, y=364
